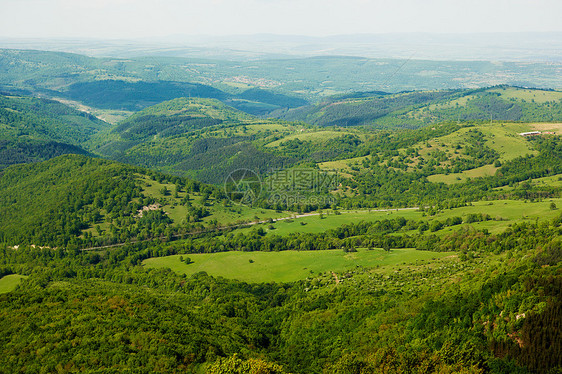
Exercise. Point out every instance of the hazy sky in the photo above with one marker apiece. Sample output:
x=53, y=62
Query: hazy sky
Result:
x=145, y=18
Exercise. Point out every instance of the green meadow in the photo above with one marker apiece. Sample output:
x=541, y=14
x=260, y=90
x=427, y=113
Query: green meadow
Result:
x=528, y=94
x=553, y=181
x=10, y=282
x=311, y=135
x=287, y=266
x=503, y=138
x=319, y=223
x=503, y=213
x=483, y=171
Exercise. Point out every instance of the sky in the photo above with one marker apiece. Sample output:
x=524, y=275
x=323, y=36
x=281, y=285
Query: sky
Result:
x=130, y=19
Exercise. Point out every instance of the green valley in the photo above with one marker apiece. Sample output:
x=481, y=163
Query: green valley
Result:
x=37, y=129
x=278, y=215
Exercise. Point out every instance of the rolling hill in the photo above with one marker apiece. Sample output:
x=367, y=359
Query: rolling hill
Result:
x=206, y=139
x=251, y=85
x=33, y=129
x=465, y=280
x=414, y=232
x=129, y=85
x=460, y=162
x=417, y=109
x=79, y=201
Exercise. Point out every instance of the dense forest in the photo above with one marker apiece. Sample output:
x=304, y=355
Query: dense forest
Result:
x=35, y=129
x=99, y=318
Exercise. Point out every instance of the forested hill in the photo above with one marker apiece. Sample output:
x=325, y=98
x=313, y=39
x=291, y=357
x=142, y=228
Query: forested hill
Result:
x=41, y=119
x=203, y=138
x=49, y=203
x=491, y=306
x=33, y=129
x=185, y=109
x=79, y=201
x=420, y=108
x=206, y=140
x=418, y=232
x=170, y=119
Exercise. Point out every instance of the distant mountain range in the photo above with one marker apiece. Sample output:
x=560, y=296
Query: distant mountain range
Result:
x=540, y=46
x=255, y=86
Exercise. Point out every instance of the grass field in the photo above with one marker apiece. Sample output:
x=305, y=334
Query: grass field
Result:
x=528, y=95
x=313, y=136
x=506, y=212
x=315, y=224
x=505, y=139
x=287, y=266
x=293, y=265
x=553, y=181
x=502, y=137
x=510, y=211
x=483, y=171
x=10, y=282
x=461, y=101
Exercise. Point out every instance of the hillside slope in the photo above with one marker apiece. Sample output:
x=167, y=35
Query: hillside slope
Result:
x=83, y=201
x=416, y=109
x=33, y=129
x=451, y=162
x=206, y=139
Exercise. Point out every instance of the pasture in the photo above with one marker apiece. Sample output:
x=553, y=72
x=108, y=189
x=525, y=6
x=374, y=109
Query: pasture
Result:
x=287, y=266
x=483, y=171
x=319, y=223
x=503, y=213
x=10, y=282
x=314, y=136
x=528, y=94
